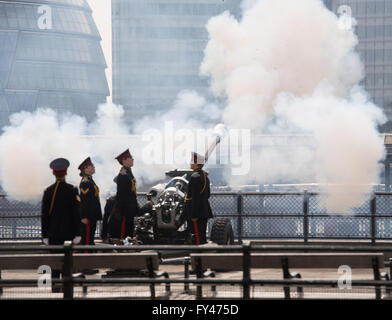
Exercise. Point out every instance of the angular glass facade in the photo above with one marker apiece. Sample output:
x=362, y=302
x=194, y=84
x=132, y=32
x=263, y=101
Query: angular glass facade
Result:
x=374, y=31
x=158, y=48
x=62, y=67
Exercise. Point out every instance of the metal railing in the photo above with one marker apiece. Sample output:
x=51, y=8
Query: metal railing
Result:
x=254, y=215
x=69, y=282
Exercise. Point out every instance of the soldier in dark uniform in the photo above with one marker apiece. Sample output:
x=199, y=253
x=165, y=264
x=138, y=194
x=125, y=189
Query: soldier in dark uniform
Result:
x=197, y=206
x=126, y=205
x=60, y=220
x=107, y=231
x=90, y=204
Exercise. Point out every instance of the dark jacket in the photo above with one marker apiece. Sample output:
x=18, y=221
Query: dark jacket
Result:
x=126, y=197
x=196, y=201
x=106, y=216
x=90, y=204
x=63, y=221
x=111, y=225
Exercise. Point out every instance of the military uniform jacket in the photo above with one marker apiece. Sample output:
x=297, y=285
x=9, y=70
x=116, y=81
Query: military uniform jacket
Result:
x=126, y=198
x=196, y=201
x=60, y=217
x=90, y=204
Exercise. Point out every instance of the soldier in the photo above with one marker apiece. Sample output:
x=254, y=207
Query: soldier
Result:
x=60, y=210
x=126, y=198
x=197, y=206
x=91, y=210
x=107, y=231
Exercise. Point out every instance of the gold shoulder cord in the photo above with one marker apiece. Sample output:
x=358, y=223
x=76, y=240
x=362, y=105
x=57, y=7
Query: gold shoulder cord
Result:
x=54, y=195
x=202, y=190
x=84, y=191
x=133, y=187
x=96, y=191
x=205, y=182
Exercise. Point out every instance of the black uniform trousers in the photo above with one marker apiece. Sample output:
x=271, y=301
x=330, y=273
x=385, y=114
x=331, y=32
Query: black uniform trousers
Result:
x=88, y=232
x=126, y=227
x=201, y=232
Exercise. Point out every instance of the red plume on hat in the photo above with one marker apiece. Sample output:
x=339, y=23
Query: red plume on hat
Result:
x=87, y=162
x=126, y=154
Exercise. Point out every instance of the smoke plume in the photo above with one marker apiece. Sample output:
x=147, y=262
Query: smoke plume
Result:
x=34, y=139
x=286, y=68
x=290, y=67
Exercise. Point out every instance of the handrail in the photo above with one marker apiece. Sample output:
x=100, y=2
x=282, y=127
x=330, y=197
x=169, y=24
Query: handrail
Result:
x=196, y=248
x=246, y=281
x=242, y=211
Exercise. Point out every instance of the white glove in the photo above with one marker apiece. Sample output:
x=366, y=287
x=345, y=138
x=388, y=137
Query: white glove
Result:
x=45, y=241
x=76, y=240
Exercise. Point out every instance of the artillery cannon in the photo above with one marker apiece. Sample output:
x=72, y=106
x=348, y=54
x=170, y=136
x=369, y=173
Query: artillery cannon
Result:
x=165, y=222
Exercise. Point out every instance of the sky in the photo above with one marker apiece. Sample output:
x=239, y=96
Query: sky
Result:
x=102, y=16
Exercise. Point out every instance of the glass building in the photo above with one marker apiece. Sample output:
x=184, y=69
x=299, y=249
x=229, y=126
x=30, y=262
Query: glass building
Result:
x=50, y=56
x=374, y=31
x=158, y=48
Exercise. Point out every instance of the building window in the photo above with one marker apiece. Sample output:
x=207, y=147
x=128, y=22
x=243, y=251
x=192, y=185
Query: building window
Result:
x=379, y=55
x=370, y=7
x=380, y=8
x=388, y=79
x=361, y=9
x=370, y=32
x=388, y=55
x=388, y=7
x=379, y=80
x=388, y=31
x=361, y=31
x=370, y=56
x=370, y=80
x=379, y=31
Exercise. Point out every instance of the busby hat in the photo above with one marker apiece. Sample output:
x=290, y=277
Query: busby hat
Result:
x=124, y=155
x=87, y=162
x=59, y=166
x=197, y=158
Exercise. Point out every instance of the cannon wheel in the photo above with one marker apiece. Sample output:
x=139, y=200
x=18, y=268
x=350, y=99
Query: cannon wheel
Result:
x=222, y=231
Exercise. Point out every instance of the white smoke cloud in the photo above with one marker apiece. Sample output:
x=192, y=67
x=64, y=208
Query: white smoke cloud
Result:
x=286, y=67
x=347, y=146
x=170, y=136
x=278, y=46
x=34, y=139
x=289, y=67
x=29, y=144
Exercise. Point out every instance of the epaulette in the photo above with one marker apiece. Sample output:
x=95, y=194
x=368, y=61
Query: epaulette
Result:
x=195, y=174
x=85, y=179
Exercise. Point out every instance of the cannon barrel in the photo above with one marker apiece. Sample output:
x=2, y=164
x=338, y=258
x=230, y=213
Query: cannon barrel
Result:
x=212, y=146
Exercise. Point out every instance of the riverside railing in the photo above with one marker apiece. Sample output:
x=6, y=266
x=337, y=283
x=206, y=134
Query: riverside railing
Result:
x=69, y=282
x=254, y=215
